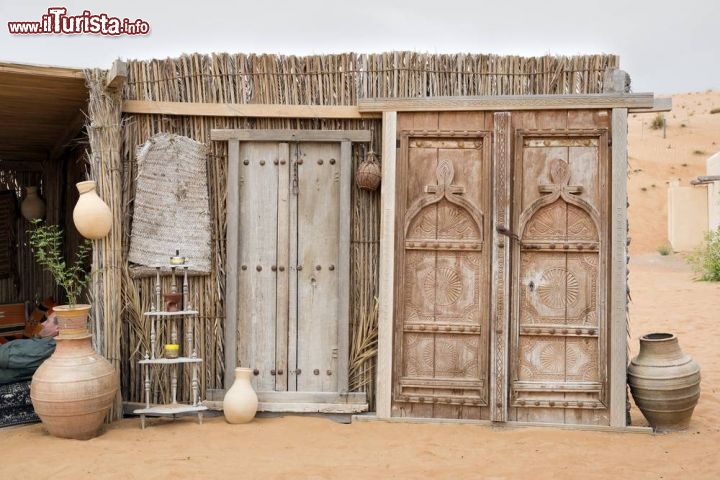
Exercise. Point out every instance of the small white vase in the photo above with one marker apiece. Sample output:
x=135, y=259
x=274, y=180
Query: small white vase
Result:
x=32, y=207
x=92, y=216
x=240, y=402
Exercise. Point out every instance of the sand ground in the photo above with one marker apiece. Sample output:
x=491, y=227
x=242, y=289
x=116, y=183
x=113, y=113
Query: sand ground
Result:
x=664, y=298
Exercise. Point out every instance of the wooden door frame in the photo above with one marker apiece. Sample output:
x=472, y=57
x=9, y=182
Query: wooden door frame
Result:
x=234, y=136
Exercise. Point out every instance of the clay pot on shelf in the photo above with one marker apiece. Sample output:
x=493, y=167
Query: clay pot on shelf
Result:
x=73, y=390
x=173, y=302
x=92, y=216
x=664, y=382
x=32, y=207
x=240, y=402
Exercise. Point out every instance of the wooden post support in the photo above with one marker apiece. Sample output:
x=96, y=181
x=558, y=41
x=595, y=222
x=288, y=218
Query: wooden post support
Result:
x=387, y=266
x=500, y=304
x=618, y=270
x=618, y=81
x=117, y=74
x=231, y=261
x=344, y=264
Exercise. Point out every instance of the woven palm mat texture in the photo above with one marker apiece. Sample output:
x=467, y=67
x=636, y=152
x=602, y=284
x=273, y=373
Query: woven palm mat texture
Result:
x=171, y=203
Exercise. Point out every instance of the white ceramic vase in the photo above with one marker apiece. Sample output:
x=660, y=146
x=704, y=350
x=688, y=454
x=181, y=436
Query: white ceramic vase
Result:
x=240, y=402
x=32, y=207
x=92, y=216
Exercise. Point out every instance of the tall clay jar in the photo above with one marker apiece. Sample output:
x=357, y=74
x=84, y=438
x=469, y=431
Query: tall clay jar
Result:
x=73, y=390
x=664, y=382
x=241, y=401
x=92, y=216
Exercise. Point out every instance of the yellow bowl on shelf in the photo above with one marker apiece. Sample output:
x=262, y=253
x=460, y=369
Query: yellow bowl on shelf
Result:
x=172, y=350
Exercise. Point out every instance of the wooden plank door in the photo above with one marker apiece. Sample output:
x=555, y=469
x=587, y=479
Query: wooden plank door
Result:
x=559, y=332
x=293, y=273
x=442, y=275
x=313, y=334
x=263, y=257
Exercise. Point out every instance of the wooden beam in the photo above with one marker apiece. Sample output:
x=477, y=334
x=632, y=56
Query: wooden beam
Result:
x=502, y=426
x=659, y=105
x=507, y=102
x=117, y=74
x=41, y=70
x=618, y=270
x=383, y=395
x=247, y=135
x=243, y=110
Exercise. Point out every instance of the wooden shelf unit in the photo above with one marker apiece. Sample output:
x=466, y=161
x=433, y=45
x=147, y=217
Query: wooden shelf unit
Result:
x=166, y=321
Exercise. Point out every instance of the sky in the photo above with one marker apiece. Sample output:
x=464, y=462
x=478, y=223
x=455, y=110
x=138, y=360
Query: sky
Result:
x=666, y=47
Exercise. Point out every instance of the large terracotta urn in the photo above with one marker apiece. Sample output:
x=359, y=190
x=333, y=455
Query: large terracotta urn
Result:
x=73, y=390
x=92, y=216
x=32, y=206
x=664, y=381
x=240, y=402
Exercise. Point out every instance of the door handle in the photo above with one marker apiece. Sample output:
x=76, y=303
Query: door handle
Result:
x=503, y=230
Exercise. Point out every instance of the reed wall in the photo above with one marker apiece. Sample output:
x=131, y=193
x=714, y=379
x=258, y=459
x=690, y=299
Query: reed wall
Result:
x=272, y=79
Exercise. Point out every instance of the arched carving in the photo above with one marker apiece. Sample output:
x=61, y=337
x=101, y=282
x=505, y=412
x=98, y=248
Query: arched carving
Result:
x=458, y=217
x=560, y=215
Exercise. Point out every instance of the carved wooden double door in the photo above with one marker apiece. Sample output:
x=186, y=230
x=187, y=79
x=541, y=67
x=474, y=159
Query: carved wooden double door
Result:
x=501, y=222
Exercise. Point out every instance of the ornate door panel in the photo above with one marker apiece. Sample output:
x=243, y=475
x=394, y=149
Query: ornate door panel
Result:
x=441, y=329
x=559, y=337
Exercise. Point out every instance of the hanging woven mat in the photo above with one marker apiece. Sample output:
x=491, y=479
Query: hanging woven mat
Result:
x=171, y=203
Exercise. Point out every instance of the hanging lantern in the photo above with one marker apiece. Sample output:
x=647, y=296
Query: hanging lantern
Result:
x=368, y=173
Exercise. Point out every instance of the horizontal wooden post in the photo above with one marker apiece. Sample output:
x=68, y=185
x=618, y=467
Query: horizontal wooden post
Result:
x=243, y=110
x=247, y=135
x=507, y=102
x=660, y=105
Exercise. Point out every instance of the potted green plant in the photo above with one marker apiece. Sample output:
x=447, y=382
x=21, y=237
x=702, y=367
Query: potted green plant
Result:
x=46, y=242
x=73, y=390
